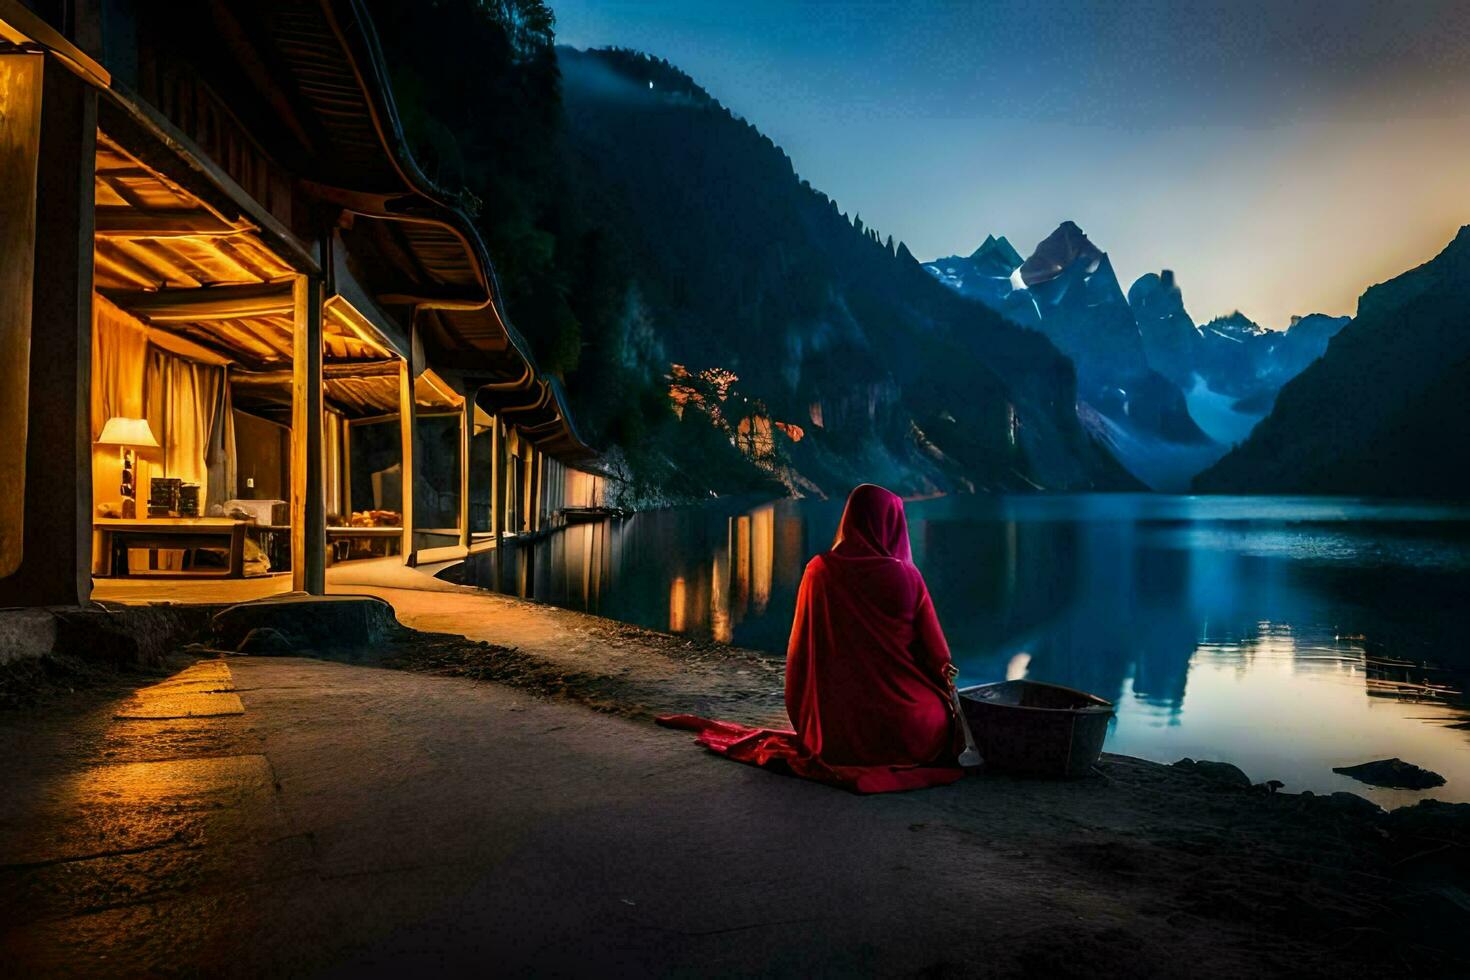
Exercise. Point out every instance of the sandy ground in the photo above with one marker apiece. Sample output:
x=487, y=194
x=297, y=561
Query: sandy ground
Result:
x=291, y=815
x=601, y=663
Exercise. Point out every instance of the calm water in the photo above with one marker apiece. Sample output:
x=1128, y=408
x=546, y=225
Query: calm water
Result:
x=1286, y=635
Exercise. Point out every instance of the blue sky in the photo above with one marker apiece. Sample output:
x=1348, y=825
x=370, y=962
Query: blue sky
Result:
x=1280, y=157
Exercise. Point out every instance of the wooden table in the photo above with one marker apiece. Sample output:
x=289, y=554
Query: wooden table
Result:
x=118, y=535
x=373, y=538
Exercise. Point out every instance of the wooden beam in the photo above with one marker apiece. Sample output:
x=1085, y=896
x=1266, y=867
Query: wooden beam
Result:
x=122, y=221
x=466, y=439
x=543, y=396
x=358, y=326
x=341, y=369
x=528, y=466
x=120, y=187
x=128, y=172
x=308, y=503
x=159, y=142
x=347, y=470
x=207, y=302
x=126, y=267
x=163, y=266
x=279, y=337
x=236, y=256
x=209, y=341
x=497, y=498
x=407, y=417
x=249, y=343
x=390, y=331
x=19, y=25
x=538, y=489
x=494, y=477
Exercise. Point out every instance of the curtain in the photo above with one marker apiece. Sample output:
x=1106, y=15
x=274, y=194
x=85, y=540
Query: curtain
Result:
x=188, y=410
x=219, y=456
x=119, y=356
x=187, y=404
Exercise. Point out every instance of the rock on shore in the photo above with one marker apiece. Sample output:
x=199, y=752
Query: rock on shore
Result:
x=1392, y=773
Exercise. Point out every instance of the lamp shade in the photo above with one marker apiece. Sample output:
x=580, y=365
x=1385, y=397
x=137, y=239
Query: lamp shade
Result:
x=120, y=431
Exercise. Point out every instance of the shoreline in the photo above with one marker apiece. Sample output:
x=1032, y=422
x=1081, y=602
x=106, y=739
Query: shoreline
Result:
x=400, y=777
x=600, y=663
x=655, y=672
x=604, y=664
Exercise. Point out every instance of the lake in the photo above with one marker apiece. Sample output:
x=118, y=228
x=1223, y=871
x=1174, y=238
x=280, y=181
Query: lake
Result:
x=1285, y=635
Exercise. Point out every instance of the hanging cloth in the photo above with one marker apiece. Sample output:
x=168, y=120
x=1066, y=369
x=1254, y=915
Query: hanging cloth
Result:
x=183, y=398
x=119, y=359
x=219, y=455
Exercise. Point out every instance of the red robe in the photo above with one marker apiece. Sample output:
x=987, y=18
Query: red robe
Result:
x=865, y=687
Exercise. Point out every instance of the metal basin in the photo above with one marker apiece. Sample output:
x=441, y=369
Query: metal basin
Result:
x=1037, y=729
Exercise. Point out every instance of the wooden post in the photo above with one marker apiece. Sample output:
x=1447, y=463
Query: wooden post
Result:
x=407, y=419
x=308, y=469
x=347, y=471
x=528, y=463
x=466, y=439
x=46, y=333
x=536, y=489
x=502, y=501
x=495, y=467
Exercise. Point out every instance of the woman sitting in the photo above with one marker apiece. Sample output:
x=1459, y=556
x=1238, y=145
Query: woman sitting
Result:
x=867, y=667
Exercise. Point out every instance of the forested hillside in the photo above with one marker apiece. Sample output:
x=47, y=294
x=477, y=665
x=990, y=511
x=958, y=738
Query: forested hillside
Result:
x=718, y=321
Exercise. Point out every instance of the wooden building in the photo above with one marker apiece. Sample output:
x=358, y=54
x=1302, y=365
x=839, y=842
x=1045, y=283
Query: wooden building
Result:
x=222, y=271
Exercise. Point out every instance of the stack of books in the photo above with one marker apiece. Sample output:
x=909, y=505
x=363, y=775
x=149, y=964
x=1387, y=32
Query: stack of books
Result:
x=163, y=497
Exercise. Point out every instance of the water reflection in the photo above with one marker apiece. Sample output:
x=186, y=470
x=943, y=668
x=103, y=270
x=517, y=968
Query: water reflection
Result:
x=1286, y=634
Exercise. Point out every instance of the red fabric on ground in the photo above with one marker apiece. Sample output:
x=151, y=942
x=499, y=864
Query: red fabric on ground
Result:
x=865, y=687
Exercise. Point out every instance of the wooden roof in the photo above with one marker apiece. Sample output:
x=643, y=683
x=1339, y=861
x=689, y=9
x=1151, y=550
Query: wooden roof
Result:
x=360, y=391
x=291, y=99
x=179, y=265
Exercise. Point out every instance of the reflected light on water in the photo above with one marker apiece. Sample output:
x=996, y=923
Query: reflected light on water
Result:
x=721, y=628
x=676, y=606
x=1291, y=704
x=740, y=558
x=1287, y=635
x=762, y=550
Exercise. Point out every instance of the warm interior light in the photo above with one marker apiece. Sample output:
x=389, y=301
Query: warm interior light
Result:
x=121, y=431
x=128, y=434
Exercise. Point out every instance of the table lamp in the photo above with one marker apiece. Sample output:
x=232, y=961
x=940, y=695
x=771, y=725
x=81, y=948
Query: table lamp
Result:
x=128, y=434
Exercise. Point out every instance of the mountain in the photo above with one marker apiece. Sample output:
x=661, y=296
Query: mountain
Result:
x=1171, y=341
x=1230, y=368
x=989, y=275
x=847, y=357
x=1068, y=290
x=1084, y=312
x=1385, y=410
